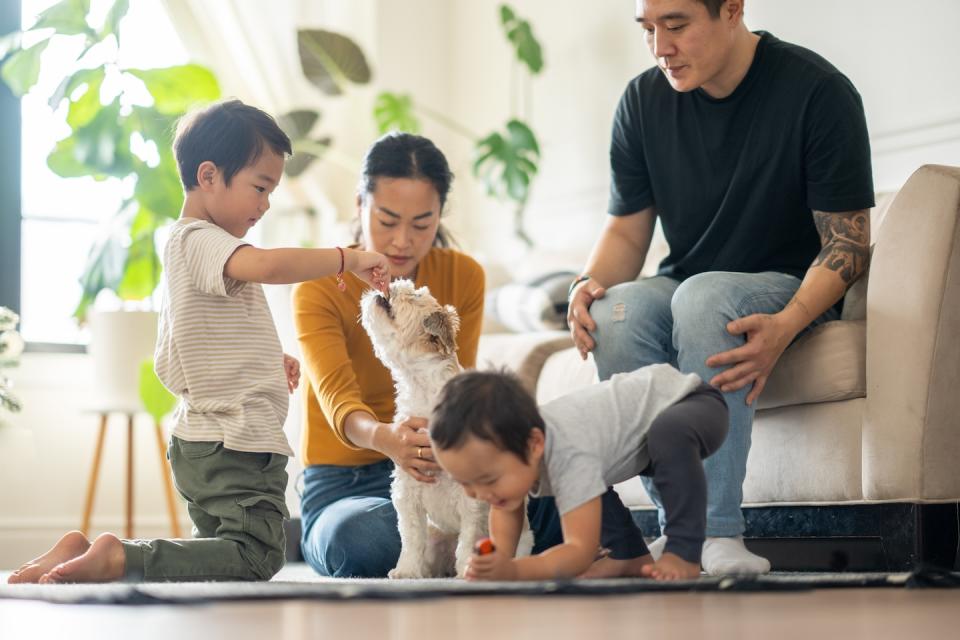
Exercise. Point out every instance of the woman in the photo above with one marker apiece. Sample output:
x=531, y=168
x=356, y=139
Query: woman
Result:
x=350, y=442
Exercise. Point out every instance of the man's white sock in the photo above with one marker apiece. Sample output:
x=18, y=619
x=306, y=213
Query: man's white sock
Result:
x=729, y=556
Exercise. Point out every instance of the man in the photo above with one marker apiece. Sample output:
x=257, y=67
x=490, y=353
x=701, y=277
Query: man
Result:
x=754, y=155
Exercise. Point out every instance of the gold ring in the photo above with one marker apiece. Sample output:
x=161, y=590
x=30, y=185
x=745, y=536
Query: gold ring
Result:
x=420, y=452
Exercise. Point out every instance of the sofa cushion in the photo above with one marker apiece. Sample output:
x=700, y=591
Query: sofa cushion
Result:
x=521, y=353
x=827, y=363
x=537, y=304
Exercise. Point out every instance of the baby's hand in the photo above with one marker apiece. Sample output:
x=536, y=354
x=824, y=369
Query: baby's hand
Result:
x=291, y=366
x=493, y=565
x=373, y=268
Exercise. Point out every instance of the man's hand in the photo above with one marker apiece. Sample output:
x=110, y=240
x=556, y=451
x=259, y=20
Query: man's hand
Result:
x=291, y=366
x=496, y=565
x=578, y=315
x=767, y=338
x=408, y=445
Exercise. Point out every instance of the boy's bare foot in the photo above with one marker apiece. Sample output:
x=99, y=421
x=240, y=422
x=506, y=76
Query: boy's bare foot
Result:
x=104, y=561
x=70, y=546
x=608, y=567
x=671, y=567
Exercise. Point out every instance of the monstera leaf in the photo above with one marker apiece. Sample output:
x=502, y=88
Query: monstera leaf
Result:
x=520, y=34
x=394, y=112
x=330, y=60
x=297, y=125
x=156, y=399
x=507, y=163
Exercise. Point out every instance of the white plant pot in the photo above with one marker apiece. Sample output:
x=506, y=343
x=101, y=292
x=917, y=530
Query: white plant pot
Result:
x=119, y=342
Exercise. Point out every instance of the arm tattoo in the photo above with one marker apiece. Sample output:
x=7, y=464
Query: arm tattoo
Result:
x=845, y=238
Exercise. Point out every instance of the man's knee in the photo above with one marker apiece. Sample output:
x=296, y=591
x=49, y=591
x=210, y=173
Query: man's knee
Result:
x=349, y=544
x=707, y=298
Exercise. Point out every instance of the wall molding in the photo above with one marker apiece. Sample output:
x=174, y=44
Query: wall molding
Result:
x=934, y=133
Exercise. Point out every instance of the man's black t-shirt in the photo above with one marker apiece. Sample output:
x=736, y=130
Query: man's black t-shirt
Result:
x=734, y=180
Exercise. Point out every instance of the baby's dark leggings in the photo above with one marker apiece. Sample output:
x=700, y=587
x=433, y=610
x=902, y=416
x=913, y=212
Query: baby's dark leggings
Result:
x=678, y=441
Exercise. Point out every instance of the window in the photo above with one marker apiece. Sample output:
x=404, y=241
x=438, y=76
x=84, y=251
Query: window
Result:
x=59, y=218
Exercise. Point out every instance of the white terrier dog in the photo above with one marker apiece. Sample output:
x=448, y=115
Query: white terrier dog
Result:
x=415, y=338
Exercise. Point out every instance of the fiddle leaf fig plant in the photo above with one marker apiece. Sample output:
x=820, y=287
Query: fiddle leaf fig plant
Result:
x=103, y=136
x=506, y=162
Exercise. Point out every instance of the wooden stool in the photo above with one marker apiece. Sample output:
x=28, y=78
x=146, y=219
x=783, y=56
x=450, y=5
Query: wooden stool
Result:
x=95, y=471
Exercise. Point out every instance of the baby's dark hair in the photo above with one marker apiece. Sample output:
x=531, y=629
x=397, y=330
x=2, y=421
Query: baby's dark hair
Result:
x=230, y=134
x=489, y=405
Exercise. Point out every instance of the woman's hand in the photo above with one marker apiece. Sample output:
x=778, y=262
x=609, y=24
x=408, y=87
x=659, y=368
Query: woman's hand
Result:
x=578, y=315
x=291, y=366
x=371, y=267
x=408, y=445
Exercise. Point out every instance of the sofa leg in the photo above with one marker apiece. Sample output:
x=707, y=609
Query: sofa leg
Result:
x=918, y=535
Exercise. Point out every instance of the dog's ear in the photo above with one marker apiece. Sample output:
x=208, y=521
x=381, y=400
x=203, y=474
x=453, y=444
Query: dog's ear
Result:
x=442, y=326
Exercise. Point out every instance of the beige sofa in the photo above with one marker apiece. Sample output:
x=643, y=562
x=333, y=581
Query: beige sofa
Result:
x=860, y=411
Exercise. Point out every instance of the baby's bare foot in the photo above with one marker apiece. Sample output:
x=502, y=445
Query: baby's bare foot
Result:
x=671, y=567
x=70, y=546
x=608, y=567
x=104, y=561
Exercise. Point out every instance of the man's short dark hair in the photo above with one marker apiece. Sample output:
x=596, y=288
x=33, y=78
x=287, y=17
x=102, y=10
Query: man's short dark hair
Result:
x=489, y=405
x=230, y=134
x=713, y=7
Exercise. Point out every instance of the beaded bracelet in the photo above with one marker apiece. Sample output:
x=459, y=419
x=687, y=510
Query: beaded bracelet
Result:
x=340, y=283
x=578, y=280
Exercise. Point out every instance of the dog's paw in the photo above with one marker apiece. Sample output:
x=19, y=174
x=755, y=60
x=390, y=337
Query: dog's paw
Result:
x=401, y=573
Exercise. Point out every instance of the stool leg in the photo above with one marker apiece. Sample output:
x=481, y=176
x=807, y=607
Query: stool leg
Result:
x=129, y=528
x=94, y=473
x=167, y=481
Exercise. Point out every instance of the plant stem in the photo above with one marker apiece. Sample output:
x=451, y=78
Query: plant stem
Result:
x=451, y=124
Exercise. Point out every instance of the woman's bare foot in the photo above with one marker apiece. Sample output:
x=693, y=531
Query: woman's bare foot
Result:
x=104, y=561
x=70, y=546
x=671, y=567
x=608, y=567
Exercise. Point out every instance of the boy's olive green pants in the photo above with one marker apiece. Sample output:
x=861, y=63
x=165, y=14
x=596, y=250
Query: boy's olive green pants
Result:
x=236, y=501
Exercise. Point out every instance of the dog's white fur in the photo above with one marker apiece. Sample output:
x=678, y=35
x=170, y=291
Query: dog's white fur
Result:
x=415, y=338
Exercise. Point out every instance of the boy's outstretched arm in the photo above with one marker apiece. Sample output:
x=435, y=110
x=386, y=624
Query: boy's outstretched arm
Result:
x=505, y=529
x=581, y=539
x=290, y=265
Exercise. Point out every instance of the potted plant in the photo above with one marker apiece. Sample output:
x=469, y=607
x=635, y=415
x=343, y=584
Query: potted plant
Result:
x=11, y=346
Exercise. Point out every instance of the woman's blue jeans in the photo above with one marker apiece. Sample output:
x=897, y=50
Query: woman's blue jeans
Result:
x=659, y=320
x=350, y=525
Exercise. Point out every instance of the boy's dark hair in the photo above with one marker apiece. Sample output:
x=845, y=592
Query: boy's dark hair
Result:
x=405, y=155
x=489, y=405
x=229, y=134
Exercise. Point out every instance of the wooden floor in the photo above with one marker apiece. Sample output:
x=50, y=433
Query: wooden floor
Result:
x=850, y=614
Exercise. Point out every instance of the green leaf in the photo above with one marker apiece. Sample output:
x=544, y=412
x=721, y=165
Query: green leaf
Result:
x=297, y=124
x=520, y=33
x=141, y=273
x=105, y=263
x=305, y=151
x=84, y=109
x=330, y=60
x=394, y=112
x=67, y=17
x=176, y=89
x=159, y=190
x=507, y=163
x=22, y=68
x=156, y=399
x=69, y=84
x=111, y=26
x=64, y=160
x=103, y=144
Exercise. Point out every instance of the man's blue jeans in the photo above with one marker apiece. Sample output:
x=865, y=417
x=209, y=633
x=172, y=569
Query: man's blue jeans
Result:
x=660, y=319
x=350, y=525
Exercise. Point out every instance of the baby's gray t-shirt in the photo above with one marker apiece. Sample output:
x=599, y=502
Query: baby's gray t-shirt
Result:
x=597, y=436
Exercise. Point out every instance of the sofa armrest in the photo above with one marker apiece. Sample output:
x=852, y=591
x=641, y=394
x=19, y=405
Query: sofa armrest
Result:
x=521, y=353
x=911, y=429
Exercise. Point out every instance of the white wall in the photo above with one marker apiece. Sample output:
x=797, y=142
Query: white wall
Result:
x=451, y=54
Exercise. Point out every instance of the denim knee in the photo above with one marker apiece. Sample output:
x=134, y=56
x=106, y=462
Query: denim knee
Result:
x=353, y=540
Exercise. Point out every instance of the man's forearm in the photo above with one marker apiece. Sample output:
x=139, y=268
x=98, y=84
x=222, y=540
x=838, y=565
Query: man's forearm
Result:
x=844, y=257
x=619, y=254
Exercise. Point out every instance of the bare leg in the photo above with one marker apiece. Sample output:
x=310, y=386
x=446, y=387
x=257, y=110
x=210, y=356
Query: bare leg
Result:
x=70, y=546
x=104, y=561
x=671, y=567
x=608, y=567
